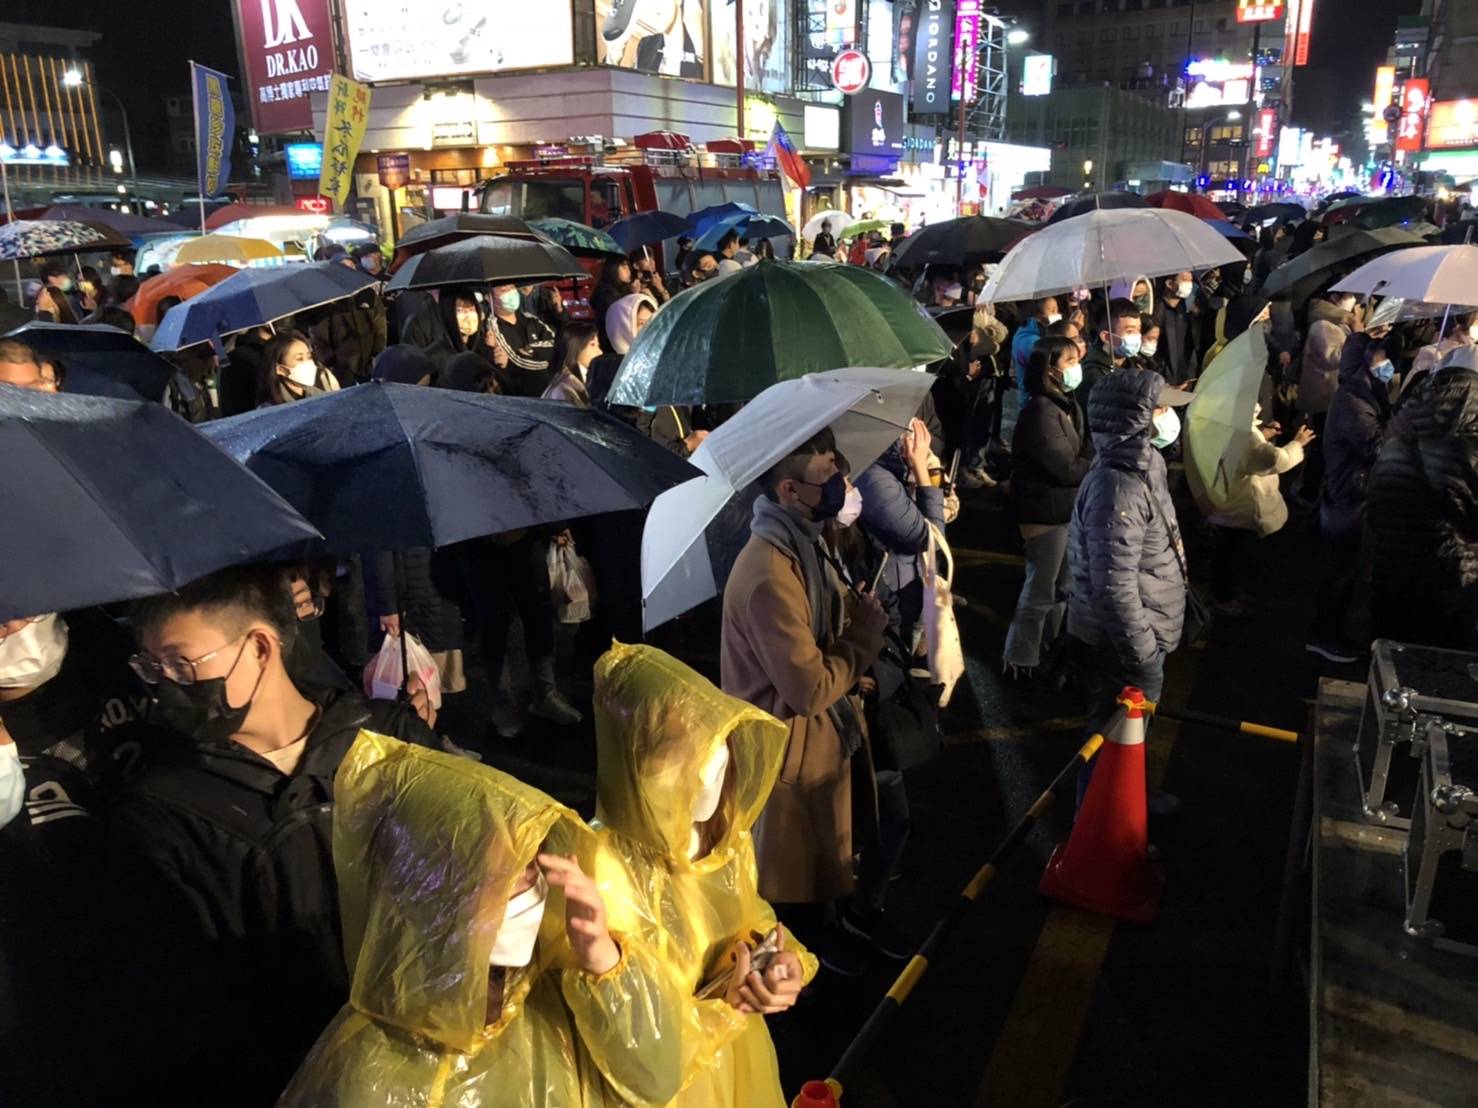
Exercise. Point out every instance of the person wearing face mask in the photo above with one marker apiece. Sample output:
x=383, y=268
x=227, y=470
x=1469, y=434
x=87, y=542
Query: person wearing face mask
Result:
x=1117, y=344
x=578, y=346
x=446, y=326
x=1331, y=322
x=1049, y=457
x=1047, y=313
x=522, y=347
x=683, y=773
x=485, y=971
x=795, y=644
x=289, y=371
x=222, y=900
x=1178, y=318
x=1138, y=289
x=1461, y=330
x=701, y=266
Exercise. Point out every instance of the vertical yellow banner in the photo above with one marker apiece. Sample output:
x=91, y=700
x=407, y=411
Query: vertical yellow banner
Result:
x=343, y=134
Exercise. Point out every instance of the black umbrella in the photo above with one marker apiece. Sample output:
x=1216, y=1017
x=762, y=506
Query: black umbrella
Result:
x=1232, y=208
x=487, y=260
x=1389, y=212
x=1096, y=201
x=98, y=360
x=1284, y=210
x=109, y=500
x=1318, y=266
x=453, y=228
x=974, y=238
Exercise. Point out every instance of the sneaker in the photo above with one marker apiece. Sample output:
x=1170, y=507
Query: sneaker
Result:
x=556, y=709
x=461, y=752
x=977, y=479
x=1332, y=652
x=839, y=951
x=875, y=928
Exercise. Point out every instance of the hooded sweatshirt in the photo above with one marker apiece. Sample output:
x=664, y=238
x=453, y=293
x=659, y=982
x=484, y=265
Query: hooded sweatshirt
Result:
x=621, y=330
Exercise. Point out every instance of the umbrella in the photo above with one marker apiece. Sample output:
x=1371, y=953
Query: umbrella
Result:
x=255, y=298
x=1394, y=309
x=751, y=225
x=865, y=227
x=955, y=322
x=1219, y=418
x=1188, y=202
x=1283, y=210
x=1041, y=192
x=487, y=260
x=453, y=228
x=278, y=229
x=694, y=532
x=1390, y=211
x=185, y=281
x=387, y=467
x=703, y=218
x=115, y=499
x=39, y=238
x=577, y=238
x=1095, y=202
x=1436, y=274
x=970, y=239
x=99, y=360
x=121, y=222
x=1231, y=208
x=726, y=341
x=1101, y=247
x=227, y=248
x=838, y=219
x=648, y=228
x=233, y=213
x=1227, y=229
x=1463, y=231
x=1302, y=277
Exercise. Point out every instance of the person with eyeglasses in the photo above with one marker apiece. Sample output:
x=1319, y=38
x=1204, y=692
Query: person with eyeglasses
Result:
x=222, y=893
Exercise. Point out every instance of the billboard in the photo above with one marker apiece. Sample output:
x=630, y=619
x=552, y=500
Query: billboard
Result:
x=1266, y=132
x=932, y=56
x=304, y=160
x=287, y=47
x=1259, y=11
x=391, y=40
x=1290, y=146
x=1036, y=75
x=766, y=46
x=827, y=35
x=1411, y=127
x=1304, y=31
x=1385, y=84
x=967, y=50
x=876, y=124
x=660, y=36
x=1452, y=125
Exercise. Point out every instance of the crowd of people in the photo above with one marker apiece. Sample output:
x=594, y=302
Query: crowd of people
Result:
x=233, y=877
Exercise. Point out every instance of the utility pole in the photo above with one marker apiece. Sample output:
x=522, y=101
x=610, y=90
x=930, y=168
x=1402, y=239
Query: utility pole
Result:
x=739, y=63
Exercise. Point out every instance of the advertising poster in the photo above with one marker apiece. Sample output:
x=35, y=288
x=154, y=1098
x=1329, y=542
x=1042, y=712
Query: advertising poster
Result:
x=288, y=47
x=669, y=37
x=766, y=45
x=828, y=34
x=402, y=40
x=343, y=134
x=875, y=124
x=933, y=55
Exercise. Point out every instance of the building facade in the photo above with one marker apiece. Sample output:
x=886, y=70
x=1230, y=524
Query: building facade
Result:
x=49, y=98
x=1097, y=134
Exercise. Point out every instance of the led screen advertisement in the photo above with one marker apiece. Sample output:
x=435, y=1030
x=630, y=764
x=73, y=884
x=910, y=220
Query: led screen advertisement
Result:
x=395, y=40
x=831, y=26
x=876, y=123
x=669, y=37
x=766, y=44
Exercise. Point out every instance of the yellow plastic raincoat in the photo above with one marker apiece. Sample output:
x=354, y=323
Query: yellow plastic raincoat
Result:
x=427, y=847
x=656, y=723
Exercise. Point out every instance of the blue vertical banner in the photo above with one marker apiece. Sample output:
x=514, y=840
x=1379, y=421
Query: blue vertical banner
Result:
x=215, y=127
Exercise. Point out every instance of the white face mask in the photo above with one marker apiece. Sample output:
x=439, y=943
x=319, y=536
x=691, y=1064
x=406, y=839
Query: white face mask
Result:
x=1347, y=304
x=711, y=784
x=851, y=507
x=304, y=373
x=1148, y=348
x=12, y=783
x=1184, y=289
x=33, y=655
x=519, y=931
x=1053, y=317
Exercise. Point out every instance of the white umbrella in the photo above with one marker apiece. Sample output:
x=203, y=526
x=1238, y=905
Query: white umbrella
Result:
x=1097, y=248
x=1395, y=309
x=1435, y=274
x=687, y=550
x=839, y=221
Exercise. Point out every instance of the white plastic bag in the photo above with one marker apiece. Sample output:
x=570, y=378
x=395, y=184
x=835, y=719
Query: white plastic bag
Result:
x=383, y=677
x=571, y=584
x=941, y=632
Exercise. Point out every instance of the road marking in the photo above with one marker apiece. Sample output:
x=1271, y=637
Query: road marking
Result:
x=1025, y=730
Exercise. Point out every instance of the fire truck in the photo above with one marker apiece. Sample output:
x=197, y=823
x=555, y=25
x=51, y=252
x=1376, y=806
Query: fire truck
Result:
x=661, y=170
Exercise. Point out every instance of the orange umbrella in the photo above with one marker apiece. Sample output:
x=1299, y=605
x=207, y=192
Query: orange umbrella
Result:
x=183, y=281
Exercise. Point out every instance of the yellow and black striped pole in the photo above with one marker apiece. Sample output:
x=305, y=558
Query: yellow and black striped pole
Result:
x=1225, y=723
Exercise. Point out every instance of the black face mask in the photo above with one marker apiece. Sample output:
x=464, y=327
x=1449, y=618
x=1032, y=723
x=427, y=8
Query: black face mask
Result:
x=833, y=496
x=200, y=711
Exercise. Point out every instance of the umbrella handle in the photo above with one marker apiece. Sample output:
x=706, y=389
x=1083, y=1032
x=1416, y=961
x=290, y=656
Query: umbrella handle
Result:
x=405, y=666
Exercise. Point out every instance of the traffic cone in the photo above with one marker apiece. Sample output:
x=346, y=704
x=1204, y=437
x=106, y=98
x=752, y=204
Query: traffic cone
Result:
x=818, y=1094
x=1104, y=866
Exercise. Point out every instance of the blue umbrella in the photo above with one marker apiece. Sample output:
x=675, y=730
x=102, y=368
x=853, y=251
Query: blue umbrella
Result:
x=389, y=467
x=648, y=228
x=704, y=218
x=109, y=500
x=255, y=298
x=1228, y=229
x=98, y=360
x=754, y=226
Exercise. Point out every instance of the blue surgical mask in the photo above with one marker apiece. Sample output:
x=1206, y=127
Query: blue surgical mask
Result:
x=1126, y=346
x=1072, y=376
x=510, y=300
x=1383, y=371
x=1167, y=429
x=12, y=783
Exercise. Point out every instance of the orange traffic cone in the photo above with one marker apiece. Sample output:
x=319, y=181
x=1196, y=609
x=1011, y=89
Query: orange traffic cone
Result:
x=1104, y=866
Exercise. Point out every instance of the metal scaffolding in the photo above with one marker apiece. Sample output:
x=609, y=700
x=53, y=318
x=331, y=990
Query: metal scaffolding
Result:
x=987, y=116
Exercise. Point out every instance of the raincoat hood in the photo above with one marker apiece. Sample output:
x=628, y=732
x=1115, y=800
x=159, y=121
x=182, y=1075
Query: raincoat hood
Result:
x=656, y=723
x=427, y=848
x=1124, y=290
x=1121, y=410
x=621, y=320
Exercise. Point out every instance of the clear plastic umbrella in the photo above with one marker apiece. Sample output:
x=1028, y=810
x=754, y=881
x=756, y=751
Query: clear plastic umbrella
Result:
x=1434, y=274
x=1219, y=419
x=839, y=221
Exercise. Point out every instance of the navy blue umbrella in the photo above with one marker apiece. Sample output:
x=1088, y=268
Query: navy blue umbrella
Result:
x=98, y=360
x=648, y=228
x=109, y=500
x=255, y=298
x=704, y=218
x=1227, y=229
x=388, y=467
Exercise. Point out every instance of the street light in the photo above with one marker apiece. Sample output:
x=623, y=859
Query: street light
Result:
x=1017, y=36
x=73, y=78
x=1206, y=125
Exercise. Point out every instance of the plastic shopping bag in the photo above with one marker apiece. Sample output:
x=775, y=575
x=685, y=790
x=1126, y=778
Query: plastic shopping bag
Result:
x=571, y=584
x=384, y=676
x=941, y=632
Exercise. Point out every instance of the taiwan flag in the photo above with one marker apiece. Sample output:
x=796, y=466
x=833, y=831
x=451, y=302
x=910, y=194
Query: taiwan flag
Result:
x=788, y=158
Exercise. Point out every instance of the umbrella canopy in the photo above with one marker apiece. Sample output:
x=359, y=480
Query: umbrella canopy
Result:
x=98, y=360
x=1436, y=274
x=255, y=298
x=122, y=222
x=40, y=238
x=1041, y=192
x=1219, y=418
x=1227, y=229
x=704, y=218
x=232, y=213
x=1095, y=202
x=110, y=500
x=865, y=227
x=453, y=228
x=694, y=532
x=387, y=467
x=1316, y=267
x=751, y=225
x=277, y=229
x=970, y=239
x=1389, y=212
x=648, y=228
x=728, y=340
x=1188, y=202
x=1282, y=210
x=579, y=239
x=185, y=281
x=226, y=248
x=838, y=219
x=1101, y=247
x=487, y=260
x=1231, y=208
x=1394, y=309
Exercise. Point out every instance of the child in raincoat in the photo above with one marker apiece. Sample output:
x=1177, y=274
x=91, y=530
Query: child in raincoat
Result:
x=466, y=992
x=684, y=771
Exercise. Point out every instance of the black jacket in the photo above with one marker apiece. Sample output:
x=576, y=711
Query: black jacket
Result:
x=224, y=901
x=1353, y=431
x=1178, y=340
x=429, y=607
x=1049, y=457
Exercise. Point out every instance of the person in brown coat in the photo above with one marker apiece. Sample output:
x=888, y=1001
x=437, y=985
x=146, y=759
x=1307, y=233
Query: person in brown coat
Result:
x=796, y=644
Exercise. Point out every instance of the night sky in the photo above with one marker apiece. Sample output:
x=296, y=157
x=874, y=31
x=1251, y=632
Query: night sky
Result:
x=146, y=46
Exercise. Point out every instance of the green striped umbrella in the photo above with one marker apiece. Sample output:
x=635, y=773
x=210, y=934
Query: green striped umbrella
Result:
x=727, y=340
x=577, y=238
